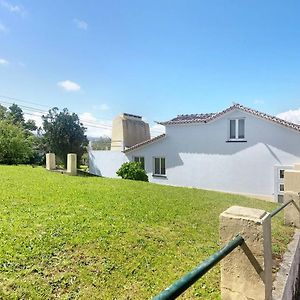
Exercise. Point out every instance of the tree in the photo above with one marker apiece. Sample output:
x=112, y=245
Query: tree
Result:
x=14, y=114
x=101, y=143
x=63, y=134
x=15, y=146
x=23, y=130
x=2, y=112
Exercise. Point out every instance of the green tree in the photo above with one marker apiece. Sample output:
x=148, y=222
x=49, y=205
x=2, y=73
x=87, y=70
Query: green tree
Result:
x=15, y=146
x=63, y=134
x=15, y=115
x=101, y=143
x=3, y=111
x=30, y=125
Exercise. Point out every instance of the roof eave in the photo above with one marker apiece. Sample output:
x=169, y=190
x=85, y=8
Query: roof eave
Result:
x=145, y=143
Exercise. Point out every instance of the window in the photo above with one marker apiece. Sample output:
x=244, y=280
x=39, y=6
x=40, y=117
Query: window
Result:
x=140, y=159
x=281, y=187
x=280, y=198
x=237, y=129
x=159, y=166
x=281, y=174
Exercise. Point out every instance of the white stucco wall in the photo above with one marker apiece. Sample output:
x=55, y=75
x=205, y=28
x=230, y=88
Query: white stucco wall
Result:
x=106, y=163
x=198, y=155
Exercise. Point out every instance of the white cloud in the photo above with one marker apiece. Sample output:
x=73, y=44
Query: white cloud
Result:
x=3, y=28
x=156, y=130
x=69, y=85
x=87, y=117
x=34, y=116
x=291, y=116
x=18, y=9
x=95, y=127
x=3, y=61
x=81, y=24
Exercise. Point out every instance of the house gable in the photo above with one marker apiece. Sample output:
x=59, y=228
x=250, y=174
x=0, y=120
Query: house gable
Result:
x=206, y=118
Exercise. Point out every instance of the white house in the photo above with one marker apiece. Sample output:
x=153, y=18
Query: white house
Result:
x=238, y=150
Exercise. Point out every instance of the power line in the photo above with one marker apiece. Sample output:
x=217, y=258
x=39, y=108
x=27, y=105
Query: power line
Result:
x=23, y=106
x=23, y=101
x=28, y=109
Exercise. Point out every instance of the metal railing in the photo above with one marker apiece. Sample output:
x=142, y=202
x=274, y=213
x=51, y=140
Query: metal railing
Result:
x=277, y=210
x=178, y=287
x=182, y=284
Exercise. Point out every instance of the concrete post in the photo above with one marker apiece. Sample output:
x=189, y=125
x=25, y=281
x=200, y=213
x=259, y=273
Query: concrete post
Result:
x=291, y=213
x=239, y=278
x=297, y=167
x=72, y=164
x=50, y=161
x=292, y=180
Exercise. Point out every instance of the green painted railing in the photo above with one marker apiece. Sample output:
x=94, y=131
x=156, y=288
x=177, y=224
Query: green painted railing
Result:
x=177, y=288
x=277, y=210
x=181, y=285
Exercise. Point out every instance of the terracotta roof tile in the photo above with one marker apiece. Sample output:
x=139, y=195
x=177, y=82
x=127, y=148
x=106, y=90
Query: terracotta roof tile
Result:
x=205, y=118
x=192, y=118
x=144, y=143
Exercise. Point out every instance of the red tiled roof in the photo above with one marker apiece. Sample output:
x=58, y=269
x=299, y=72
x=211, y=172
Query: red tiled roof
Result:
x=144, y=143
x=191, y=118
x=205, y=118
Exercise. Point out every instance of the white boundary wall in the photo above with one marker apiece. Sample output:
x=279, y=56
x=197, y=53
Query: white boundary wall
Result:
x=106, y=163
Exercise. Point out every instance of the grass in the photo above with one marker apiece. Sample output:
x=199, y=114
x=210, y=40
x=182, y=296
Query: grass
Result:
x=87, y=237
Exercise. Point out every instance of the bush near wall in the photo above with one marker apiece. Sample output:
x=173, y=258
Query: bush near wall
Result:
x=133, y=171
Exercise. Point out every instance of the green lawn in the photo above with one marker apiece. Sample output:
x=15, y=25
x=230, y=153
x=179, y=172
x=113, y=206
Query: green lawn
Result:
x=87, y=237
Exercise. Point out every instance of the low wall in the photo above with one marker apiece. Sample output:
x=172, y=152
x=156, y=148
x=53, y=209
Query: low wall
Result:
x=106, y=163
x=287, y=283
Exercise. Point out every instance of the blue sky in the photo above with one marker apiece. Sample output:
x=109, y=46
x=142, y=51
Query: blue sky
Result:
x=153, y=58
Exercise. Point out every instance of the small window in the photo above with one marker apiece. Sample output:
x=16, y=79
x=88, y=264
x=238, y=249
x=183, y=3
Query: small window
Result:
x=159, y=166
x=280, y=198
x=140, y=159
x=281, y=187
x=237, y=129
x=281, y=174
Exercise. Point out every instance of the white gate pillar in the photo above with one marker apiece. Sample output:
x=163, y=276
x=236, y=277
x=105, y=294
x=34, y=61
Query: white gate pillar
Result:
x=50, y=161
x=72, y=164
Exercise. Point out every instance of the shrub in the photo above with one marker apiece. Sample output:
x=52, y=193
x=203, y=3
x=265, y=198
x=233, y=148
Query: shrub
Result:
x=133, y=171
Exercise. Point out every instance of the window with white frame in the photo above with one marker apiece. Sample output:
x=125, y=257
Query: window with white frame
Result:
x=237, y=129
x=140, y=159
x=159, y=166
x=281, y=174
x=281, y=187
